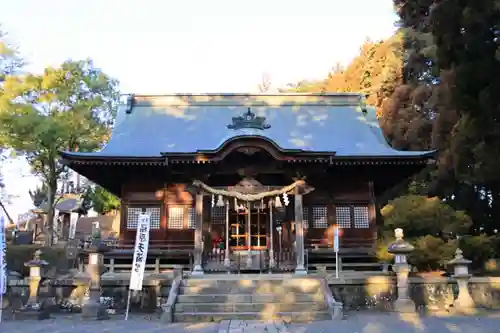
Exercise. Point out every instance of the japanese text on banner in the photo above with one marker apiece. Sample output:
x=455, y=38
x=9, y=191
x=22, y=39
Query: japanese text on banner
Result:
x=140, y=252
x=336, y=239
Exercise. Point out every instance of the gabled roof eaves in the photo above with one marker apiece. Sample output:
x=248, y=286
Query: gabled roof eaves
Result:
x=152, y=128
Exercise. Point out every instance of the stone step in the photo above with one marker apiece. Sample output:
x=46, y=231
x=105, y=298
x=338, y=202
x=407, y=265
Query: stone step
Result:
x=295, y=317
x=189, y=290
x=255, y=278
x=257, y=281
x=249, y=307
x=250, y=298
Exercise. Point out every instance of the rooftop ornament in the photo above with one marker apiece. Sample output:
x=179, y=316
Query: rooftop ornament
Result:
x=249, y=120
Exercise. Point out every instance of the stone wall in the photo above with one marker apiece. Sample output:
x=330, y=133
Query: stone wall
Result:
x=429, y=294
x=67, y=294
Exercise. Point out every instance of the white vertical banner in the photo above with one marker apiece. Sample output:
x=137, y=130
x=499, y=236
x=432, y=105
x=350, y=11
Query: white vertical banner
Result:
x=140, y=256
x=336, y=248
x=3, y=264
x=140, y=252
x=336, y=239
x=55, y=227
x=73, y=220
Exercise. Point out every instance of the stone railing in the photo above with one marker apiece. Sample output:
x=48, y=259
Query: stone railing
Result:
x=68, y=294
x=429, y=294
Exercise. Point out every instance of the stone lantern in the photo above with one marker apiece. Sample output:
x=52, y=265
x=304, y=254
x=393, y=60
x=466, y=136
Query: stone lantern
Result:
x=92, y=307
x=401, y=249
x=460, y=266
x=34, y=309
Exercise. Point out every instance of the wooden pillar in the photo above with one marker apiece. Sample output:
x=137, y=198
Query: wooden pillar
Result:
x=198, y=240
x=372, y=212
x=299, y=233
x=249, y=237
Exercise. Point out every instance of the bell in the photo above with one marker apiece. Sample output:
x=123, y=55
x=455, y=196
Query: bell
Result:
x=277, y=202
x=220, y=201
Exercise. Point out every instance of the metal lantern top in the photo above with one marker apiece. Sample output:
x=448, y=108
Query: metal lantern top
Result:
x=460, y=265
x=400, y=246
x=37, y=261
x=459, y=259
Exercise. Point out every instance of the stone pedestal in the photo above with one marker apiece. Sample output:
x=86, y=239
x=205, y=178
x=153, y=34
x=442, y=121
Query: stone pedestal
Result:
x=92, y=308
x=34, y=309
x=403, y=303
x=401, y=249
x=464, y=301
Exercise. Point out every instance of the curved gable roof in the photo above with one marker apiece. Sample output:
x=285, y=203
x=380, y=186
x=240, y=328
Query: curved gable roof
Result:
x=156, y=125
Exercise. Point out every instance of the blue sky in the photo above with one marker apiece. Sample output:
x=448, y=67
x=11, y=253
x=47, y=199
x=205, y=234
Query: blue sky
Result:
x=161, y=46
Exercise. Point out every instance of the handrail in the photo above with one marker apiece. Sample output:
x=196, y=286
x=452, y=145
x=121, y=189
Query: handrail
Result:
x=168, y=307
x=335, y=308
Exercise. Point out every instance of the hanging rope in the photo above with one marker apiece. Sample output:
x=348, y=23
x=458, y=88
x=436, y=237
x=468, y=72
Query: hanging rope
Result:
x=248, y=197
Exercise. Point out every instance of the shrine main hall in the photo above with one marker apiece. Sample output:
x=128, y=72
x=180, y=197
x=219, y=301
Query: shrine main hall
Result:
x=254, y=181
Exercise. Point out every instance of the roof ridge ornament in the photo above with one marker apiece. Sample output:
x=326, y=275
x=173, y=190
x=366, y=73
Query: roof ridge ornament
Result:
x=129, y=103
x=249, y=120
x=362, y=104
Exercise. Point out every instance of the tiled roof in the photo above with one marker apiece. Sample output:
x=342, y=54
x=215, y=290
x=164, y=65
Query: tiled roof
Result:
x=66, y=203
x=153, y=125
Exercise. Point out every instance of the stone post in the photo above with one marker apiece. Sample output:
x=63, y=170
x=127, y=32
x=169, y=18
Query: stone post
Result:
x=464, y=301
x=401, y=249
x=92, y=307
x=34, y=309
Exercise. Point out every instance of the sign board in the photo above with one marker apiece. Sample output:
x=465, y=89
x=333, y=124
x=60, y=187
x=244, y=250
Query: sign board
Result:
x=73, y=220
x=140, y=252
x=3, y=261
x=336, y=239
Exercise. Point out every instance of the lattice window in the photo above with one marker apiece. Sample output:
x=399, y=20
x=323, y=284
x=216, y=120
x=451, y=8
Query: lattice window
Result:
x=343, y=216
x=305, y=217
x=134, y=212
x=319, y=217
x=191, y=218
x=176, y=217
x=361, y=217
x=218, y=215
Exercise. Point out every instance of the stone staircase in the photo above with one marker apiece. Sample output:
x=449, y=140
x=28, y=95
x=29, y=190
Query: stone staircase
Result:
x=226, y=297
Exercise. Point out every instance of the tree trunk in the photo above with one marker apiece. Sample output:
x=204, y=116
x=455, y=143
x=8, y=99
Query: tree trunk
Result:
x=6, y=212
x=49, y=225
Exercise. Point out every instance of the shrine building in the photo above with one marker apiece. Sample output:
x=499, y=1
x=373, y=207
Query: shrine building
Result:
x=257, y=181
